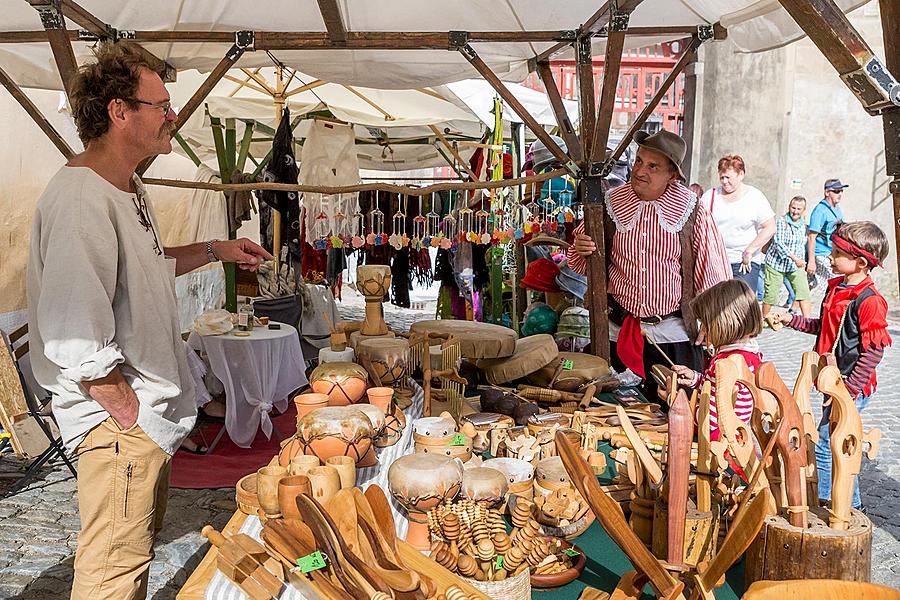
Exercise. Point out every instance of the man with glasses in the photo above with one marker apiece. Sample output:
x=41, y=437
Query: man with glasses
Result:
x=103, y=319
x=825, y=218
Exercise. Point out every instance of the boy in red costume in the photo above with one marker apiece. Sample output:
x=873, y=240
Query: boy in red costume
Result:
x=852, y=326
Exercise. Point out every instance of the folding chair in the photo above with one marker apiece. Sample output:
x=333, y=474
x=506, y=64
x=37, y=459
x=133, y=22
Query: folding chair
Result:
x=22, y=416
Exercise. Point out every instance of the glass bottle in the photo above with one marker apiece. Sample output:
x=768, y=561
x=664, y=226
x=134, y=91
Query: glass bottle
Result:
x=245, y=316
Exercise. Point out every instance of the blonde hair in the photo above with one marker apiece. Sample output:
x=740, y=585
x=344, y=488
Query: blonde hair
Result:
x=729, y=312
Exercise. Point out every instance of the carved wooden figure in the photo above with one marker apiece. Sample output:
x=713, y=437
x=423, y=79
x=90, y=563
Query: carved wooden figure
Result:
x=847, y=438
x=704, y=455
x=734, y=434
x=790, y=441
x=765, y=416
x=806, y=379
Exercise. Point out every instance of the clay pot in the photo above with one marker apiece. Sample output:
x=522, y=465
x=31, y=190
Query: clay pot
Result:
x=290, y=448
x=444, y=446
x=306, y=403
x=392, y=431
x=301, y=464
x=336, y=431
x=325, y=483
x=267, y=480
x=343, y=382
x=376, y=418
x=346, y=468
x=381, y=397
x=288, y=489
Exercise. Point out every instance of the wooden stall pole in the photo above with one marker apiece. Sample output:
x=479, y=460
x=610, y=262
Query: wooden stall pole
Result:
x=615, y=43
x=566, y=129
x=692, y=71
x=890, y=25
x=54, y=23
x=584, y=73
x=596, y=300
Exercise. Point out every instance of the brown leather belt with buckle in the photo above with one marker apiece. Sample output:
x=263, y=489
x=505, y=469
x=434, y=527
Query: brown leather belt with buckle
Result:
x=617, y=314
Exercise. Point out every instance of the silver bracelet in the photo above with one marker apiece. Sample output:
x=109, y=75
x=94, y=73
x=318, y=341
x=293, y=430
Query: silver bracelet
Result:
x=210, y=255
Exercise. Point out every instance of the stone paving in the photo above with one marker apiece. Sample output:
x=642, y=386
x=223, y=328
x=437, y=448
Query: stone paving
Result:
x=38, y=527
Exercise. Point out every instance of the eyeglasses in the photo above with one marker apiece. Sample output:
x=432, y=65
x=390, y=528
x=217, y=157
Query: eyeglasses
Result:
x=164, y=106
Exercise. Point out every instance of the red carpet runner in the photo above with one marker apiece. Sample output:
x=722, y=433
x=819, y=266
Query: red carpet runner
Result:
x=228, y=463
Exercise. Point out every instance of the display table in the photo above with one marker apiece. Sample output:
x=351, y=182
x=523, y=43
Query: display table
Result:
x=605, y=561
x=258, y=372
x=207, y=583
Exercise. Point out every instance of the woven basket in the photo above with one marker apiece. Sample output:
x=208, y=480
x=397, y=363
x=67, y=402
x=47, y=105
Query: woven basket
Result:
x=511, y=588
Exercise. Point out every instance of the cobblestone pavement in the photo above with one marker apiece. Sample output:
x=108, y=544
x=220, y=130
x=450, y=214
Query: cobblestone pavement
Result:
x=38, y=527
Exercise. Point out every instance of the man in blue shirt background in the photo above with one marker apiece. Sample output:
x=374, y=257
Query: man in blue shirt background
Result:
x=826, y=216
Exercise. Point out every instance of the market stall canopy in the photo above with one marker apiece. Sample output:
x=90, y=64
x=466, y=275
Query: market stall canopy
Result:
x=477, y=95
x=753, y=25
x=393, y=128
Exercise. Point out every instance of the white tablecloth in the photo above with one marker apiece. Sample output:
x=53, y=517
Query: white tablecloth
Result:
x=258, y=373
x=220, y=588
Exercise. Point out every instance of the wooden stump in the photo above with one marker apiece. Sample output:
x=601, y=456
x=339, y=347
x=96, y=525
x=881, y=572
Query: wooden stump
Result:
x=641, y=520
x=782, y=551
x=701, y=533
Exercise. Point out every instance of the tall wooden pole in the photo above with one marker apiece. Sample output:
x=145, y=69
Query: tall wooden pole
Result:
x=690, y=112
x=890, y=25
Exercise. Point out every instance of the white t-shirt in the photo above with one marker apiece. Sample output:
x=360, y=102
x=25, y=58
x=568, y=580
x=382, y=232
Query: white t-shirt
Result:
x=101, y=295
x=739, y=221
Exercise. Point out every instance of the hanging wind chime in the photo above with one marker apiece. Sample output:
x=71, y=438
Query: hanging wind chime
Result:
x=357, y=223
x=433, y=234
x=376, y=235
x=398, y=237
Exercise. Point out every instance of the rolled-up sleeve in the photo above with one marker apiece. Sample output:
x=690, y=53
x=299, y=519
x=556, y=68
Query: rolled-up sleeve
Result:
x=78, y=278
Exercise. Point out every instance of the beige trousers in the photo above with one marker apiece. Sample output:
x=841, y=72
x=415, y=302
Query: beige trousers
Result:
x=123, y=486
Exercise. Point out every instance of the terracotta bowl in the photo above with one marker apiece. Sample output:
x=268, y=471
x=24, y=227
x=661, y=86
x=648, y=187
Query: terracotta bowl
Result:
x=306, y=403
x=381, y=397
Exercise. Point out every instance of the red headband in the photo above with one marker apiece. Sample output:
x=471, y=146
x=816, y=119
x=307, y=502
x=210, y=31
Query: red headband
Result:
x=854, y=250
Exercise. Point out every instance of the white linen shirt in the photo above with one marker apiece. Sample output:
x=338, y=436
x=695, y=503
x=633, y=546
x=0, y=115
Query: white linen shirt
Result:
x=100, y=295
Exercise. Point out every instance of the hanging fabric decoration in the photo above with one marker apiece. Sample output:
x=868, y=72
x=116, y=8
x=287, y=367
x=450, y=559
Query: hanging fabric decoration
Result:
x=329, y=158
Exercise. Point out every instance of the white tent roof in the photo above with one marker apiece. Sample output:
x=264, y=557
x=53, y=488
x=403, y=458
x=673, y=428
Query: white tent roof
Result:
x=477, y=95
x=411, y=113
x=752, y=24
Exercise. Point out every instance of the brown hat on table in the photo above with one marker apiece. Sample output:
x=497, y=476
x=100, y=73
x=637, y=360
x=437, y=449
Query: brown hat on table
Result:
x=668, y=144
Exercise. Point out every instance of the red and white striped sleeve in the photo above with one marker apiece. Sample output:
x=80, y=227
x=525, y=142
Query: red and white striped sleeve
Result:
x=711, y=263
x=576, y=262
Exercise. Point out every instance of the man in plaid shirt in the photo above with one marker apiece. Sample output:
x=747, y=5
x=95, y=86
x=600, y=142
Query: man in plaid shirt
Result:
x=784, y=260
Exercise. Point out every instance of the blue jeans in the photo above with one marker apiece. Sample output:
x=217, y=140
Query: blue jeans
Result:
x=753, y=279
x=823, y=454
x=791, y=295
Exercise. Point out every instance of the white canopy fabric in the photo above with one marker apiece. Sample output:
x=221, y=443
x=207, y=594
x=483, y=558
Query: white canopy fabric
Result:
x=411, y=113
x=477, y=95
x=753, y=25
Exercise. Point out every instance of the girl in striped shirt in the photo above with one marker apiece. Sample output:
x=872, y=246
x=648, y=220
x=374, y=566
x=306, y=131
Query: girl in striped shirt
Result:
x=730, y=320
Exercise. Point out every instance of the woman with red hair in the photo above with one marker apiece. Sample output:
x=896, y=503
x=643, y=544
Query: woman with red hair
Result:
x=744, y=218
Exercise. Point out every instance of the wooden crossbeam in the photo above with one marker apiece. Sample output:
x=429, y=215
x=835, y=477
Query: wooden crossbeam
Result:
x=689, y=54
x=36, y=115
x=846, y=50
x=566, y=129
x=592, y=25
x=243, y=83
x=255, y=76
x=387, y=116
x=334, y=24
x=479, y=65
x=308, y=86
x=84, y=19
x=231, y=57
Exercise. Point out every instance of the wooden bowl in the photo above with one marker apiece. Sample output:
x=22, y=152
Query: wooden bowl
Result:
x=560, y=579
x=245, y=494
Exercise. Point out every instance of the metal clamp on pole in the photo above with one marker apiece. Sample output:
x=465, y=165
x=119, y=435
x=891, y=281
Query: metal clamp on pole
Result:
x=51, y=14
x=458, y=40
x=245, y=40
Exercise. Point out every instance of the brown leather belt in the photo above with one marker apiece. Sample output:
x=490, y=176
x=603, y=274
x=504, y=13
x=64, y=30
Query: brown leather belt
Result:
x=617, y=314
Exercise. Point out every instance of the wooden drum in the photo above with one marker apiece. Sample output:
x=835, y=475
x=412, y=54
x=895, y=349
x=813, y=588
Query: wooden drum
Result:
x=389, y=358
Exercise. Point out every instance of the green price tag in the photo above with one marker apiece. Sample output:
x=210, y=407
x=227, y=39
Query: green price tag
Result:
x=458, y=440
x=311, y=562
x=568, y=365
x=571, y=552
x=498, y=564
